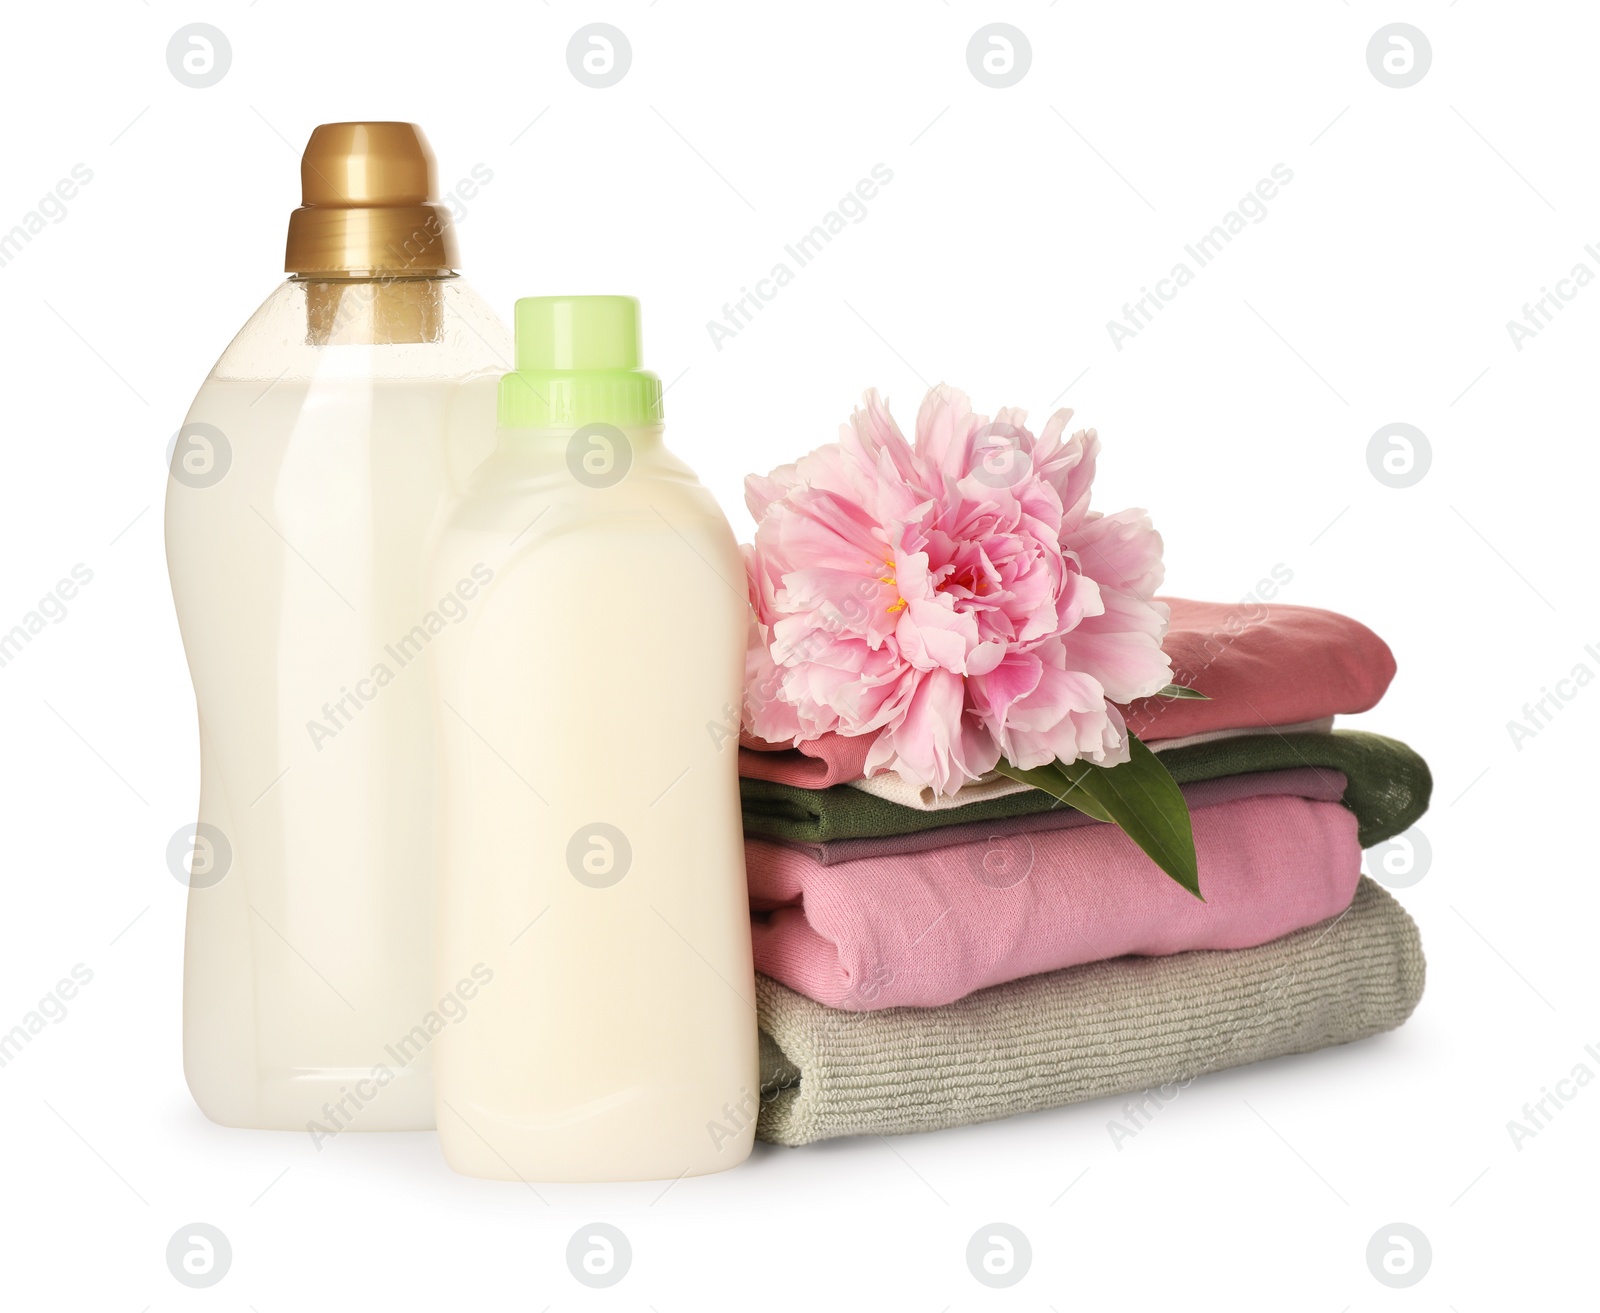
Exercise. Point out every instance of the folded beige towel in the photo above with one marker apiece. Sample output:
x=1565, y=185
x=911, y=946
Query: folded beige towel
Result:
x=1130, y=1024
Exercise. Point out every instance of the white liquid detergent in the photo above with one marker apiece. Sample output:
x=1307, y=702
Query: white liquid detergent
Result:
x=317, y=460
x=592, y=851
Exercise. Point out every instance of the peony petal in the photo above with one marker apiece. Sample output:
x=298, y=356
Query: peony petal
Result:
x=1014, y=678
x=1068, y=467
x=1122, y=647
x=946, y=428
x=933, y=635
x=933, y=746
x=1121, y=550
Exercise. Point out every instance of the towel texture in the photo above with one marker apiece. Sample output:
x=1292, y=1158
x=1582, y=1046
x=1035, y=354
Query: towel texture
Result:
x=1115, y=1027
x=922, y=929
x=1388, y=789
x=1259, y=663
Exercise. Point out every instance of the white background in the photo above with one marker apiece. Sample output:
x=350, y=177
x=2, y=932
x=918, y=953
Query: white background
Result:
x=1377, y=290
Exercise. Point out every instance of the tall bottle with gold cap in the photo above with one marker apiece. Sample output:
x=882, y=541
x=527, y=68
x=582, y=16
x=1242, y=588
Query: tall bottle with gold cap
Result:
x=316, y=462
x=592, y=852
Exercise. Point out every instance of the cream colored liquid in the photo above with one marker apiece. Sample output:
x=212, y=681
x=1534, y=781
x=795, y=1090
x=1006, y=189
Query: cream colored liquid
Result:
x=597, y=681
x=298, y=577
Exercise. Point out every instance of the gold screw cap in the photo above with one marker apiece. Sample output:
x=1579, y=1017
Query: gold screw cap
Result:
x=366, y=206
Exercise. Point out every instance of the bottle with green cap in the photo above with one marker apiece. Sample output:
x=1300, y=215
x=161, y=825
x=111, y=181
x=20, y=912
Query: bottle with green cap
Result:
x=592, y=854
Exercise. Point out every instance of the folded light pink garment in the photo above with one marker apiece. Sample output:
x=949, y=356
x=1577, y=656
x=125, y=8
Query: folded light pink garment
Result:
x=1259, y=663
x=921, y=929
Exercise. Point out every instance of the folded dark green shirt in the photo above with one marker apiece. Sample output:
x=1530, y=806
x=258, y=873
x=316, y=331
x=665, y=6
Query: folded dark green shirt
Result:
x=1388, y=789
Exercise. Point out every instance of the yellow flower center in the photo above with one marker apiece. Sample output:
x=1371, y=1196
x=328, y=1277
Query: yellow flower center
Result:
x=900, y=603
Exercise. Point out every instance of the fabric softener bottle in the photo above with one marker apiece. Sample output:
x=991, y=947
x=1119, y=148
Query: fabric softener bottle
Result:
x=316, y=462
x=593, y=898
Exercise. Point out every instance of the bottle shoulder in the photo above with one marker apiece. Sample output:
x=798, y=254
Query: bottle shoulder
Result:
x=516, y=504
x=427, y=328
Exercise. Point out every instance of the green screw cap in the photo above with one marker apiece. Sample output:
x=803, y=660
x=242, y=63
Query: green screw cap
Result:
x=577, y=364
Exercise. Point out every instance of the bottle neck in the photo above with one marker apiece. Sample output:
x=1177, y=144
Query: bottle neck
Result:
x=378, y=309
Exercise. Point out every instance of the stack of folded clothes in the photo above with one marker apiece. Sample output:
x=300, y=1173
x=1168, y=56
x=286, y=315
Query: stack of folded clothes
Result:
x=927, y=962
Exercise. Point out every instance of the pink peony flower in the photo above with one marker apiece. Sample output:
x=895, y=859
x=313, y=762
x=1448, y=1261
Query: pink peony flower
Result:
x=956, y=597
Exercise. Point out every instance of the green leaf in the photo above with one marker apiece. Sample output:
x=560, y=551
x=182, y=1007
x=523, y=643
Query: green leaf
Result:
x=1180, y=691
x=1053, y=781
x=1140, y=797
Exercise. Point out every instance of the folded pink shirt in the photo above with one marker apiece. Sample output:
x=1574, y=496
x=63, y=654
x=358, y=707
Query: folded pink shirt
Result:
x=926, y=928
x=1260, y=664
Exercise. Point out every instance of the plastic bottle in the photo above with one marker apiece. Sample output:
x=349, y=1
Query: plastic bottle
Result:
x=593, y=857
x=316, y=462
